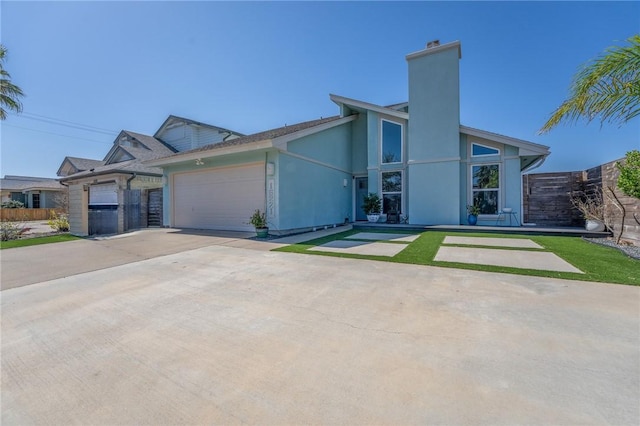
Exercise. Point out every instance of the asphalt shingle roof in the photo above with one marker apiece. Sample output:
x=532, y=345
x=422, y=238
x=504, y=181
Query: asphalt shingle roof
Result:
x=84, y=163
x=156, y=149
x=268, y=134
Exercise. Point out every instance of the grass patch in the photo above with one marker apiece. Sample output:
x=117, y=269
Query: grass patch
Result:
x=599, y=263
x=37, y=241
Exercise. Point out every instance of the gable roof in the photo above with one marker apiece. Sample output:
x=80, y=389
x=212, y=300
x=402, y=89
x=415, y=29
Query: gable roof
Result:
x=361, y=105
x=80, y=164
x=151, y=148
x=267, y=139
x=22, y=183
x=174, y=118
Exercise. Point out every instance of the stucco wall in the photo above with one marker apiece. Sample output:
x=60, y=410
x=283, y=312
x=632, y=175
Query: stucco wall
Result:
x=315, y=181
x=434, y=138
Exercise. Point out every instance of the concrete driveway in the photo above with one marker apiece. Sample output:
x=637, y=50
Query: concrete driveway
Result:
x=226, y=335
x=34, y=264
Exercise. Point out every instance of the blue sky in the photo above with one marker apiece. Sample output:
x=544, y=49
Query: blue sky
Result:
x=255, y=66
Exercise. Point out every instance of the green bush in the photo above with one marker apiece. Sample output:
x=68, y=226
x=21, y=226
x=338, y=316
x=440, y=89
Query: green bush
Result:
x=13, y=204
x=629, y=180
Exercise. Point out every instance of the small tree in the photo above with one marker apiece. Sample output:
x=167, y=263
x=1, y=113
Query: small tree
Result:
x=629, y=179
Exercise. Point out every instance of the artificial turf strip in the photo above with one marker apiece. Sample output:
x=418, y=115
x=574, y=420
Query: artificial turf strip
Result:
x=37, y=241
x=599, y=263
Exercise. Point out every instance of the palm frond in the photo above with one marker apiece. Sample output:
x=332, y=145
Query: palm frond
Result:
x=607, y=89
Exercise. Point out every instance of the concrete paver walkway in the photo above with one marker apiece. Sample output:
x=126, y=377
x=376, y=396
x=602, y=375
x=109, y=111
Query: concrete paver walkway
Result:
x=381, y=236
x=543, y=261
x=496, y=242
x=222, y=335
x=360, y=247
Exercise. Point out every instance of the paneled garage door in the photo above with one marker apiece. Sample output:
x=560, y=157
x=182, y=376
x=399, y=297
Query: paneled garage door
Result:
x=221, y=198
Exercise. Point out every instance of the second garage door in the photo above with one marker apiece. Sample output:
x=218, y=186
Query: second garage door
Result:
x=221, y=198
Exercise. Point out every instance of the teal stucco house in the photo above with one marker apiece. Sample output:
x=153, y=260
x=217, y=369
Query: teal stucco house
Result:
x=416, y=155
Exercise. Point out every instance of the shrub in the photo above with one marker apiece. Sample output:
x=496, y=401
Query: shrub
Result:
x=629, y=180
x=259, y=220
x=59, y=222
x=11, y=230
x=13, y=204
x=371, y=203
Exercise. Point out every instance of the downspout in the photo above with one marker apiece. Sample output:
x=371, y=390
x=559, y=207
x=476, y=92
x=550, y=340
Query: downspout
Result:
x=130, y=179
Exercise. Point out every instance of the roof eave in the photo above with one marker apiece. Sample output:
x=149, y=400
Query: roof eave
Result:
x=339, y=100
x=210, y=153
x=529, y=147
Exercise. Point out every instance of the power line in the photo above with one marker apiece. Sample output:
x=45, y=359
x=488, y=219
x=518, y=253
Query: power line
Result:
x=57, y=134
x=65, y=123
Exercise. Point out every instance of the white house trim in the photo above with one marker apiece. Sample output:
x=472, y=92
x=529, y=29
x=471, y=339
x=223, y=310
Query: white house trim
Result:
x=281, y=142
x=435, y=160
x=339, y=100
x=527, y=148
x=311, y=160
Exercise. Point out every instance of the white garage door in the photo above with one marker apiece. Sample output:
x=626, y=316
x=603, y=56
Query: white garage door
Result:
x=221, y=198
x=103, y=194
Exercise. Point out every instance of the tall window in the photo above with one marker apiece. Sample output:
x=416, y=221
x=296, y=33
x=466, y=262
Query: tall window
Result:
x=36, y=201
x=486, y=187
x=391, y=192
x=391, y=142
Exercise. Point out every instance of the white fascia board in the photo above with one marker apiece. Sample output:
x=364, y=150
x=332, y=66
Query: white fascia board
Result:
x=210, y=153
x=281, y=142
x=368, y=106
x=529, y=148
x=436, y=49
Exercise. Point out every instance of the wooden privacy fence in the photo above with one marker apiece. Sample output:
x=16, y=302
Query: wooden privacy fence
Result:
x=24, y=215
x=547, y=199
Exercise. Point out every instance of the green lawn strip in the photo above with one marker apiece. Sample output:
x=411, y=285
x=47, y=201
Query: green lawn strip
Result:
x=599, y=263
x=37, y=241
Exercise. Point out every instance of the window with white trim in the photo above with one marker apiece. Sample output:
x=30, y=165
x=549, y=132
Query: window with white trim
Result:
x=391, y=142
x=392, y=192
x=478, y=150
x=485, y=183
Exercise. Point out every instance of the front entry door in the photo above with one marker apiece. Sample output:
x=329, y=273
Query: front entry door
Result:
x=362, y=188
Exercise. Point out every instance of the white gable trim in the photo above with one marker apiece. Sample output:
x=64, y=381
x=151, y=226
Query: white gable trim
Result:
x=526, y=148
x=339, y=100
x=281, y=142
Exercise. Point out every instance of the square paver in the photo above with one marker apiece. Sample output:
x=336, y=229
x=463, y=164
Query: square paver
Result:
x=380, y=236
x=361, y=247
x=495, y=242
x=543, y=261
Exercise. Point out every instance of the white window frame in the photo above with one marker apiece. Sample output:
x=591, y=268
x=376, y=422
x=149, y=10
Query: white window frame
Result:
x=484, y=146
x=382, y=120
x=401, y=192
x=498, y=189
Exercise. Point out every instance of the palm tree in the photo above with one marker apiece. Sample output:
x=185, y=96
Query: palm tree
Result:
x=607, y=88
x=10, y=94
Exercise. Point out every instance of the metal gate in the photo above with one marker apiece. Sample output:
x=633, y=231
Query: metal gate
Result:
x=131, y=209
x=154, y=207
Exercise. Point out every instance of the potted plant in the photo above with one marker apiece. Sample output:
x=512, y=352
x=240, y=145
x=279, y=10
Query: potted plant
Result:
x=474, y=211
x=259, y=221
x=372, y=206
x=592, y=209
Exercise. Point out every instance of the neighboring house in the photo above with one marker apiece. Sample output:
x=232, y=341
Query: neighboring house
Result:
x=33, y=192
x=72, y=165
x=120, y=192
x=416, y=155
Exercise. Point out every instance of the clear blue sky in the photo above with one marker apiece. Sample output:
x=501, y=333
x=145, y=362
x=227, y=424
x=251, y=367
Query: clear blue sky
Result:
x=255, y=66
